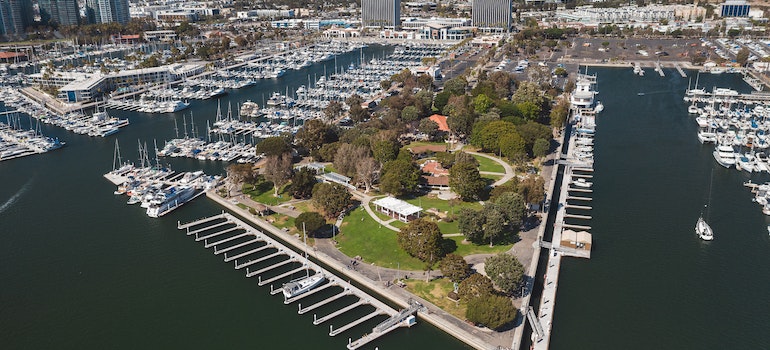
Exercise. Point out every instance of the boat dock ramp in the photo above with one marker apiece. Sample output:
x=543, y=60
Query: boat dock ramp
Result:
x=274, y=263
x=570, y=238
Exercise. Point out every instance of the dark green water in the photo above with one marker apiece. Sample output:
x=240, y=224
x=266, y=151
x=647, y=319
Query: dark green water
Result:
x=80, y=269
x=651, y=284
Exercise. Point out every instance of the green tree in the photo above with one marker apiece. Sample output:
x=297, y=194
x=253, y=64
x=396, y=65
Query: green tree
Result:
x=531, y=131
x=428, y=127
x=454, y=267
x=421, y=239
x=492, y=311
x=410, y=114
x=277, y=170
x=312, y=221
x=482, y=103
x=471, y=224
x=441, y=99
x=494, y=223
x=540, y=148
x=333, y=110
x=273, y=146
x=489, y=137
x=512, y=146
x=302, y=183
x=533, y=189
x=506, y=271
x=465, y=180
x=400, y=177
x=475, y=286
x=385, y=150
x=528, y=92
x=559, y=113
x=456, y=86
x=332, y=198
x=511, y=205
x=327, y=152
x=314, y=134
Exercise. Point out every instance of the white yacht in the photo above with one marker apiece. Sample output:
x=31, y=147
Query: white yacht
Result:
x=725, y=156
x=582, y=183
x=169, y=199
x=745, y=162
x=703, y=230
x=302, y=285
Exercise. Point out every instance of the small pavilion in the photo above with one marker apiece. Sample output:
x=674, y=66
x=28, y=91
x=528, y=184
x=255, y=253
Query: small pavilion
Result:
x=397, y=209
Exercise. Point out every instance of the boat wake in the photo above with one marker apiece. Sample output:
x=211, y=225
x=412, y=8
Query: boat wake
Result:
x=15, y=197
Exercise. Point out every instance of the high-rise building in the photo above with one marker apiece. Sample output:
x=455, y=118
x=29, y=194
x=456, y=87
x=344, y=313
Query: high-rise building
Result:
x=12, y=18
x=735, y=8
x=106, y=11
x=92, y=11
x=492, y=15
x=381, y=13
x=62, y=12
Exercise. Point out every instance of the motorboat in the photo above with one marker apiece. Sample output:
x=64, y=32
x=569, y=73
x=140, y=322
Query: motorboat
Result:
x=725, y=155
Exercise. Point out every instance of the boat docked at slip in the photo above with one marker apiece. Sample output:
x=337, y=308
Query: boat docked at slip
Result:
x=725, y=155
x=169, y=199
x=304, y=284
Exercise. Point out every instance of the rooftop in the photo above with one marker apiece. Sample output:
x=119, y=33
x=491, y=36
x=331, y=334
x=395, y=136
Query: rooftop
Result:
x=397, y=206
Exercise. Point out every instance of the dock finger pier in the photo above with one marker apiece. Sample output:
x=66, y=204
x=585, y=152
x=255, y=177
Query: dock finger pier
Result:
x=274, y=263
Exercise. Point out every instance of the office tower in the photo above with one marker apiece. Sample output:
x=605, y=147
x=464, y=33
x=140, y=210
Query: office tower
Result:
x=381, y=13
x=492, y=15
x=62, y=12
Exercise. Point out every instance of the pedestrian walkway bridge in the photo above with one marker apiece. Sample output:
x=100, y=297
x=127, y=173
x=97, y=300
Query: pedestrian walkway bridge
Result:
x=273, y=262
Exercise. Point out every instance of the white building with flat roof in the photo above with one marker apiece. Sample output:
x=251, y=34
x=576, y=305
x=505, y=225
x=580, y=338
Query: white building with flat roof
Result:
x=397, y=209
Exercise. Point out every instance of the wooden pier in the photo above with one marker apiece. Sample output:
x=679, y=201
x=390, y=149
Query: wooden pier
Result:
x=680, y=70
x=273, y=262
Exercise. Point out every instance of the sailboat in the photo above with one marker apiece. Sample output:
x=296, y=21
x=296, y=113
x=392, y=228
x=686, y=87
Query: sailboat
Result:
x=303, y=284
x=702, y=228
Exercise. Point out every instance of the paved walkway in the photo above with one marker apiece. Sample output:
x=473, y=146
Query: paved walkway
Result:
x=380, y=280
x=509, y=173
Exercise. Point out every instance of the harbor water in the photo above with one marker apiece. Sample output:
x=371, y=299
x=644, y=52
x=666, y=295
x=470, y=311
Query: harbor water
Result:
x=80, y=269
x=650, y=282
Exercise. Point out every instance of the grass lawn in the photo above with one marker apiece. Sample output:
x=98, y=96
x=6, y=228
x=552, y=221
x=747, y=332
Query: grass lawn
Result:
x=493, y=178
x=363, y=236
x=448, y=227
x=431, y=201
x=486, y=164
x=263, y=193
x=305, y=206
x=467, y=248
x=436, y=292
x=422, y=143
x=330, y=168
x=282, y=221
x=397, y=224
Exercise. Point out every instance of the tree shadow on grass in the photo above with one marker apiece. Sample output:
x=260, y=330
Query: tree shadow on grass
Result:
x=448, y=245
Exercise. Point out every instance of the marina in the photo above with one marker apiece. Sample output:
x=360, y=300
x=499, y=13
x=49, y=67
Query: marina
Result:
x=570, y=237
x=16, y=142
x=271, y=259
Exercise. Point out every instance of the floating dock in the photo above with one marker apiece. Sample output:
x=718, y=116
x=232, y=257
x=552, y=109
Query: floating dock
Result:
x=273, y=262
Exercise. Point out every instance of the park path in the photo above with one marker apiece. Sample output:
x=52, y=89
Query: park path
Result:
x=509, y=173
